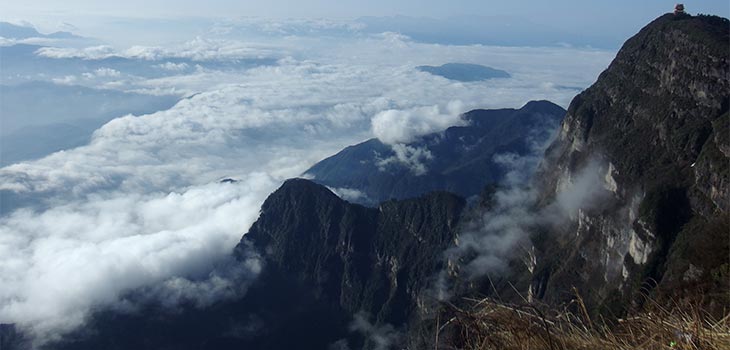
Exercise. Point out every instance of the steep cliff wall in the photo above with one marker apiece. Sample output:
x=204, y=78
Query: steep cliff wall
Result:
x=373, y=260
x=656, y=123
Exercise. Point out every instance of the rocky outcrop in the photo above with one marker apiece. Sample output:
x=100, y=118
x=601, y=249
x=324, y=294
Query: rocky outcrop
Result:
x=656, y=122
x=372, y=260
x=11, y=338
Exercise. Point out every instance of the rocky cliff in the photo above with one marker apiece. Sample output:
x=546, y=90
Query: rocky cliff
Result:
x=655, y=128
x=372, y=260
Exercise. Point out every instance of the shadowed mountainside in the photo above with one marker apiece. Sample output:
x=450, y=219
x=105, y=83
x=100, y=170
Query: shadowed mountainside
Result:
x=461, y=157
x=657, y=120
x=325, y=260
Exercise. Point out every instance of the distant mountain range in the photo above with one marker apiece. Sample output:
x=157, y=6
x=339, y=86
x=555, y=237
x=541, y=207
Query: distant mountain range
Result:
x=461, y=159
x=465, y=72
x=14, y=31
x=40, y=118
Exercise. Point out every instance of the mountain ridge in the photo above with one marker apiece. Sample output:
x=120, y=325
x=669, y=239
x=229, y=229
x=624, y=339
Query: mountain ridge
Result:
x=460, y=159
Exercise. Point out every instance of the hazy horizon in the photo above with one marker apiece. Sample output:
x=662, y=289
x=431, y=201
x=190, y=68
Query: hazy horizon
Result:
x=602, y=24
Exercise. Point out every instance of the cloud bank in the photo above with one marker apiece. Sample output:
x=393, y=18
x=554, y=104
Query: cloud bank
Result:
x=198, y=49
x=59, y=262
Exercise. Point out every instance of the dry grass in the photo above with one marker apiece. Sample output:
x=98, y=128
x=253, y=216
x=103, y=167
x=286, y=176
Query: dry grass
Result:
x=488, y=324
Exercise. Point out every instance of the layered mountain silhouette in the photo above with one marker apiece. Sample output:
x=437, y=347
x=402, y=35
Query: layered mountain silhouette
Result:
x=460, y=159
x=14, y=31
x=40, y=118
x=653, y=128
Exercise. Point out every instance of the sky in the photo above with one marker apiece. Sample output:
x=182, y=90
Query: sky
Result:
x=572, y=11
x=615, y=19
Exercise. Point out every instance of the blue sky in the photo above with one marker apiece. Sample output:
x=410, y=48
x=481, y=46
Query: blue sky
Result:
x=561, y=10
x=592, y=16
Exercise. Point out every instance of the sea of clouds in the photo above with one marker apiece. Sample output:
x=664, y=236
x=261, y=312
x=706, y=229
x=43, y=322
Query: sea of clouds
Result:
x=143, y=204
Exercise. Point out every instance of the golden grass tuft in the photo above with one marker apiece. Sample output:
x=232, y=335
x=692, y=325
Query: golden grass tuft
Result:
x=488, y=324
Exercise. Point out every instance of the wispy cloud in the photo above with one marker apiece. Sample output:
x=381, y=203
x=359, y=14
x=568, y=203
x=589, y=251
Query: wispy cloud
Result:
x=502, y=232
x=382, y=337
x=350, y=194
x=413, y=158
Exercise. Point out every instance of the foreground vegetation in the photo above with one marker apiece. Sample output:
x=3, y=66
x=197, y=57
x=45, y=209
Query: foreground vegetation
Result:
x=487, y=324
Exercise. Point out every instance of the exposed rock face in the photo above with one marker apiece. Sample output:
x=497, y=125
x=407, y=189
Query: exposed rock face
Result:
x=460, y=159
x=376, y=260
x=657, y=122
x=11, y=339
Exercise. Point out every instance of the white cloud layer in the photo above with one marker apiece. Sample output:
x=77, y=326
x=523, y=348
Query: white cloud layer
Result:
x=404, y=126
x=58, y=262
x=198, y=49
x=141, y=203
